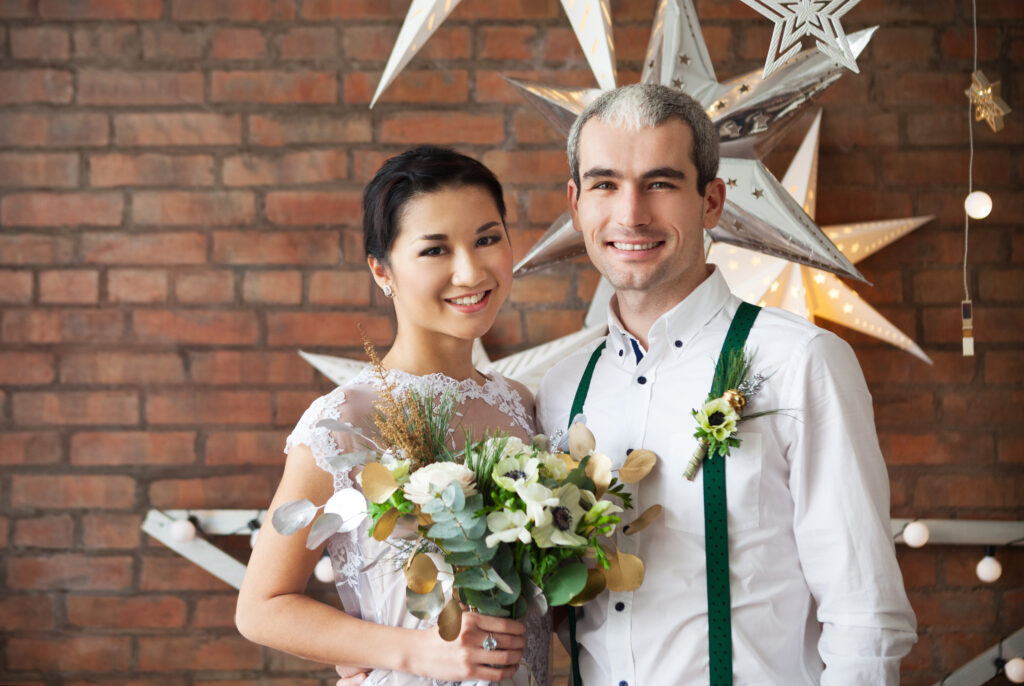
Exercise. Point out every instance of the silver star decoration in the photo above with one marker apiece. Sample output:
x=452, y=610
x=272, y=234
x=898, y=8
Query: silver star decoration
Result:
x=808, y=292
x=795, y=19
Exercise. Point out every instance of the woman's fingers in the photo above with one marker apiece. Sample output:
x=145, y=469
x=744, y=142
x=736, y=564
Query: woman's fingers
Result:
x=495, y=624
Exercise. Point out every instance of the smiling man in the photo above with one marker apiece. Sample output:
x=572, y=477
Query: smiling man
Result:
x=776, y=564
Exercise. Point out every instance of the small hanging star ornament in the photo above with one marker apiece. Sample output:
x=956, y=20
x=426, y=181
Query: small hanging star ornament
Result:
x=795, y=19
x=987, y=100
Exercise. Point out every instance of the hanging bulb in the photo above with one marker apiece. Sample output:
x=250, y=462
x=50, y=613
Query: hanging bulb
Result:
x=978, y=205
x=916, y=534
x=181, y=530
x=989, y=569
x=254, y=530
x=1014, y=670
x=324, y=571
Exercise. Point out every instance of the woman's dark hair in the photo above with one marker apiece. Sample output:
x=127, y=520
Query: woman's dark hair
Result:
x=425, y=169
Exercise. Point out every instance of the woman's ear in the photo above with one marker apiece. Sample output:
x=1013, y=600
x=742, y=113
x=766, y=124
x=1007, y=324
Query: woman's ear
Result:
x=380, y=271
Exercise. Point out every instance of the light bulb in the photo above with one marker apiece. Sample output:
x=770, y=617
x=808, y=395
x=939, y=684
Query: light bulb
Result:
x=916, y=534
x=324, y=571
x=252, y=538
x=989, y=569
x=182, y=530
x=978, y=205
x=1014, y=670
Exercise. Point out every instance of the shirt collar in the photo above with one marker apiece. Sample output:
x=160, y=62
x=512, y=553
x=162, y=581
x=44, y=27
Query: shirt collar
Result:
x=676, y=327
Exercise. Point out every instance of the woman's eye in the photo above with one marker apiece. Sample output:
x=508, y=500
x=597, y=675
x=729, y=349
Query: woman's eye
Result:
x=488, y=240
x=432, y=252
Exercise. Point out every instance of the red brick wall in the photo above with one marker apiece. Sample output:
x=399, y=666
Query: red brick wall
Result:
x=179, y=211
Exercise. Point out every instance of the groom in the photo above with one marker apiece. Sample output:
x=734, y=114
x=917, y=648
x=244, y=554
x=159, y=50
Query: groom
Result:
x=804, y=584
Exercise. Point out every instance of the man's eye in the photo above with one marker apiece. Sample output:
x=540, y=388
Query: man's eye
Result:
x=603, y=186
x=661, y=184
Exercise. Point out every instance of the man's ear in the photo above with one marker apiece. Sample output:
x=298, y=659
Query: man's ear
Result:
x=714, y=203
x=380, y=271
x=574, y=199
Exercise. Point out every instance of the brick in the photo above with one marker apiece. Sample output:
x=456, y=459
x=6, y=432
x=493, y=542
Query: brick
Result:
x=35, y=447
x=152, y=612
x=27, y=612
x=509, y=42
x=97, y=87
x=70, y=653
x=547, y=325
x=177, y=128
x=208, y=286
x=103, y=367
x=918, y=565
x=923, y=88
x=333, y=287
x=954, y=609
x=893, y=366
x=967, y=491
x=175, y=208
x=136, y=286
x=62, y=209
x=111, y=42
x=174, y=573
x=273, y=87
x=338, y=330
x=313, y=166
x=420, y=86
x=34, y=248
x=150, y=169
x=274, y=130
x=54, y=531
x=92, y=448
x=75, y=408
x=1001, y=285
x=208, y=407
x=901, y=408
x=289, y=406
x=234, y=367
x=507, y=330
x=285, y=247
x=234, y=10
x=111, y=531
x=201, y=653
x=540, y=289
x=958, y=43
x=513, y=9
x=903, y=44
x=297, y=208
x=53, y=130
x=172, y=43
x=934, y=448
x=277, y=287
x=245, y=447
x=992, y=167
x=238, y=44
x=200, y=327
x=530, y=127
x=39, y=170
x=40, y=43
x=241, y=491
x=21, y=369
x=215, y=611
x=69, y=286
x=374, y=43
x=365, y=163
x=78, y=491
x=69, y=572
x=982, y=407
x=186, y=247
x=347, y=9
x=57, y=326
x=26, y=86
x=301, y=43
x=100, y=9
x=17, y=9
x=528, y=166
x=442, y=128
x=1003, y=367
x=15, y=286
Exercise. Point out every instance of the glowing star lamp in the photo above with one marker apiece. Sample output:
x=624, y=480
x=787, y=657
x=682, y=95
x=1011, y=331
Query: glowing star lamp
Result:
x=988, y=568
x=916, y=534
x=978, y=205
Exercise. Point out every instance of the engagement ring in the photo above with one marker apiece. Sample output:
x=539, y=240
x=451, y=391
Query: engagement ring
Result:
x=490, y=643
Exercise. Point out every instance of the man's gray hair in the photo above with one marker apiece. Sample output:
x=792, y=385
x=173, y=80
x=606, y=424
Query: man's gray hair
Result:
x=645, y=105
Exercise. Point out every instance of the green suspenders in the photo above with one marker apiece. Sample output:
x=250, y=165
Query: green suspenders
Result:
x=716, y=540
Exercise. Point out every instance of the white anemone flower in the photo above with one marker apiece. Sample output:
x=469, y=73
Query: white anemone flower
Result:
x=553, y=467
x=538, y=498
x=427, y=482
x=560, y=529
x=507, y=526
x=512, y=472
x=596, y=508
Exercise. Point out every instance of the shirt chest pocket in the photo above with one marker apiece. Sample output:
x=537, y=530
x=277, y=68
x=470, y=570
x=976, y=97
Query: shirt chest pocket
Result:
x=684, y=500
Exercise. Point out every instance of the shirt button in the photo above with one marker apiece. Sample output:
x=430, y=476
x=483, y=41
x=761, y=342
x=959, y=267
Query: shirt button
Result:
x=620, y=606
x=623, y=683
x=620, y=353
x=641, y=380
x=679, y=344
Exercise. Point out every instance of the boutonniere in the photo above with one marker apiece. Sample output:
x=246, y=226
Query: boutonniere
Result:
x=720, y=417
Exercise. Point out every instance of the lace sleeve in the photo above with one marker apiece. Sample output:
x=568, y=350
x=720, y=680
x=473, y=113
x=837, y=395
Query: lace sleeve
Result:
x=322, y=442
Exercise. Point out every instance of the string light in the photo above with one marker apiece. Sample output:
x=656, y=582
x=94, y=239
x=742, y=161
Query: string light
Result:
x=323, y=571
x=1014, y=670
x=183, y=530
x=978, y=205
x=916, y=534
x=254, y=531
x=988, y=568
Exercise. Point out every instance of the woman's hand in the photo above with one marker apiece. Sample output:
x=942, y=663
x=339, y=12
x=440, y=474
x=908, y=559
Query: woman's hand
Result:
x=466, y=658
x=351, y=676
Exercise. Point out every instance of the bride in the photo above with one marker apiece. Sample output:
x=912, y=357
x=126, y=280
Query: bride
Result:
x=436, y=243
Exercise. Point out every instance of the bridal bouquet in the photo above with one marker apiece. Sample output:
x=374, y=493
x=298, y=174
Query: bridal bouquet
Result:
x=514, y=524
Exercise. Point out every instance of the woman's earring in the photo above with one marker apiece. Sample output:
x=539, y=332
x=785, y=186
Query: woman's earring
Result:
x=388, y=293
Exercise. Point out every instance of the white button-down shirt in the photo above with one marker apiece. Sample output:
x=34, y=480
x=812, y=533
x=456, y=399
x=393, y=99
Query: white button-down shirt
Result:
x=817, y=596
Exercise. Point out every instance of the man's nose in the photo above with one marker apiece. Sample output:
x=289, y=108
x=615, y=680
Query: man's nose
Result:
x=633, y=210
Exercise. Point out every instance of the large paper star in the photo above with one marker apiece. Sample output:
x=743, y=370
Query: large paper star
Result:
x=987, y=100
x=810, y=292
x=795, y=19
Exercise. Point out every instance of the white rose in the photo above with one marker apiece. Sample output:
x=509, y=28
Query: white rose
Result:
x=427, y=482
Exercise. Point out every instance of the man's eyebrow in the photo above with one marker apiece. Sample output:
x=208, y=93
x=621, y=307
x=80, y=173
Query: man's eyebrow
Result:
x=443, y=236
x=664, y=173
x=601, y=173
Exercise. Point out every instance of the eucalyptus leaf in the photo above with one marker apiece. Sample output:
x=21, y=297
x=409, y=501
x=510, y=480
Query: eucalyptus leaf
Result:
x=293, y=516
x=421, y=574
x=449, y=622
x=469, y=559
x=434, y=507
x=474, y=503
x=341, y=462
x=581, y=441
x=378, y=482
x=424, y=605
x=459, y=545
x=493, y=575
x=350, y=505
x=484, y=603
x=639, y=464
x=474, y=579
x=325, y=526
x=566, y=583
x=453, y=497
x=443, y=530
x=386, y=524
x=343, y=427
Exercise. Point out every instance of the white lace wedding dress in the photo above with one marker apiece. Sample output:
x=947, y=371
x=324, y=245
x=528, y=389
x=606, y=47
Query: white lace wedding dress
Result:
x=376, y=592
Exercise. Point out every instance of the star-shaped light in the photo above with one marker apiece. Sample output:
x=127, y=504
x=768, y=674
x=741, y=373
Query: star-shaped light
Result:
x=810, y=292
x=795, y=19
x=987, y=100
